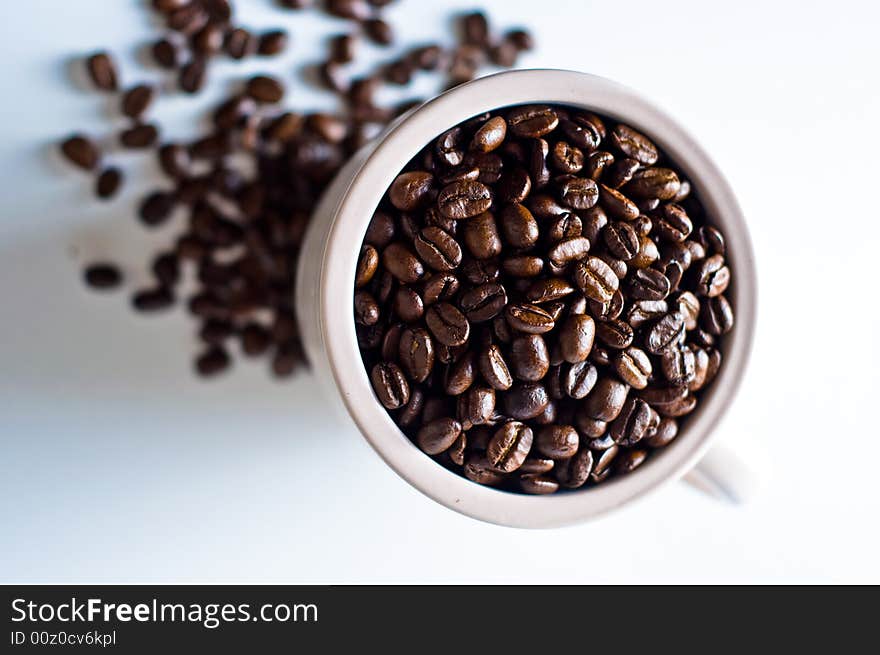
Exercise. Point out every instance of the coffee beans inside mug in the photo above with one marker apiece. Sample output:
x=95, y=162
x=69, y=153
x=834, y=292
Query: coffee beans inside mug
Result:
x=541, y=299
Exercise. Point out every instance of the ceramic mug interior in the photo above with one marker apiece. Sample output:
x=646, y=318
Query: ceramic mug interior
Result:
x=328, y=271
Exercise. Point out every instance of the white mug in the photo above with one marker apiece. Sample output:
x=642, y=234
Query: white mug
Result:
x=326, y=281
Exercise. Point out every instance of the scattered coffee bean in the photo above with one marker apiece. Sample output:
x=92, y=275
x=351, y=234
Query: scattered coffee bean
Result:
x=108, y=183
x=81, y=151
x=136, y=100
x=102, y=71
x=103, y=276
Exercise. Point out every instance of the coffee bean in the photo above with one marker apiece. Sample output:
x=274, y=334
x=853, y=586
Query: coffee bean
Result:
x=712, y=240
x=265, y=89
x=192, y=75
x=562, y=228
x=664, y=333
x=648, y=284
x=617, y=204
x=606, y=399
x=523, y=267
x=408, y=304
x=166, y=53
x=477, y=468
x=366, y=309
x=576, y=338
x=532, y=483
x=525, y=400
x=631, y=425
x=578, y=379
x=513, y=186
x=142, y=135
x=557, y=441
x=629, y=460
x=490, y=135
x=437, y=436
x=136, y=100
x=716, y=316
x=615, y=333
x=621, y=172
x=102, y=71
x=510, y=446
x=622, y=240
x=481, y=236
x=529, y=318
x=532, y=121
x=713, y=276
x=156, y=208
x=367, y=265
x=569, y=250
x=634, y=367
x=438, y=249
x=447, y=324
x=566, y=158
x=465, y=199
x=494, y=368
x=660, y=183
x=410, y=190
x=152, y=300
x=674, y=223
x=678, y=365
x=390, y=385
x=582, y=133
x=634, y=144
x=378, y=31
x=476, y=406
x=596, y=279
x=108, y=183
x=529, y=357
x=578, y=192
x=102, y=276
x=518, y=227
x=666, y=432
x=484, y=302
x=548, y=290
x=81, y=151
x=402, y=263
x=574, y=472
x=678, y=408
x=597, y=163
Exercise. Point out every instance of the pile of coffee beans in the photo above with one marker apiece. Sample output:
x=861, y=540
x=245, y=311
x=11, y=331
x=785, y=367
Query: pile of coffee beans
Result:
x=539, y=299
x=245, y=190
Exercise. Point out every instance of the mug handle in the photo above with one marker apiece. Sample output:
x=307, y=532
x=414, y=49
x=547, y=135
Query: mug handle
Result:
x=725, y=473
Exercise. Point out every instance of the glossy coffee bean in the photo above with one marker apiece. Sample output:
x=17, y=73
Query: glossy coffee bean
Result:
x=448, y=325
x=494, y=369
x=461, y=200
x=525, y=400
x=437, y=436
x=614, y=333
x=632, y=424
x=576, y=337
x=476, y=406
x=674, y=223
x=533, y=483
x=664, y=333
x=529, y=358
x=596, y=279
x=666, y=432
x=713, y=276
x=390, y=385
x=606, y=399
x=678, y=365
x=532, y=121
x=634, y=144
x=481, y=236
x=438, y=249
x=622, y=240
x=484, y=302
x=510, y=446
x=557, y=441
x=648, y=284
x=716, y=316
x=416, y=353
x=529, y=318
x=402, y=263
x=578, y=379
x=633, y=366
x=574, y=472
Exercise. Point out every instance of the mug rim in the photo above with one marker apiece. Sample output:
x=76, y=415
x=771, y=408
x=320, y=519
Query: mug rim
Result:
x=369, y=183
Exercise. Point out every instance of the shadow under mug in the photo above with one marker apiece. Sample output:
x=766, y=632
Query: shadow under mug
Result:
x=325, y=286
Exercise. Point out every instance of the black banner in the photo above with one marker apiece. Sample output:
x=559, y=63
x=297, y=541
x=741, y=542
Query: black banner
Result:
x=134, y=619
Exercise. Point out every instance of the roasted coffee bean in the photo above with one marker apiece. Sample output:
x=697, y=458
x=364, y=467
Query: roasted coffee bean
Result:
x=674, y=223
x=437, y=436
x=477, y=271
x=494, y=368
x=513, y=186
x=390, y=385
x=410, y=190
x=660, y=183
x=239, y=43
x=108, y=182
x=665, y=333
x=648, y=284
x=701, y=368
x=366, y=309
x=525, y=400
x=368, y=263
x=174, y=160
x=152, y=300
x=509, y=446
x=713, y=366
x=490, y=135
x=402, y=263
x=562, y=228
x=615, y=333
x=191, y=78
x=166, y=53
x=156, y=208
x=481, y=237
x=532, y=121
x=532, y=483
x=461, y=200
x=578, y=192
x=661, y=396
x=529, y=357
x=484, y=302
x=603, y=442
x=634, y=367
x=712, y=276
x=212, y=362
x=578, y=379
x=441, y=286
x=461, y=373
x=548, y=290
x=712, y=240
x=642, y=312
x=557, y=441
x=609, y=310
x=678, y=408
x=621, y=172
x=378, y=31
x=102, y=276
x=629, y=460
x=476, y=406
x=351, y=9
x=136, y=100
x=381, y=230
x=622, y=240
x=716, y=316
x=523, y=267
x=272, y=43
x=568, y=250
x=581, y=133
x=438, y=249
x=632, y=424
x=606, y=399
x=617, y=204
x=634, y=144
x=408, y=304
x=539, y=173
x=476, y=29
x=678, y=365
x=666, y=431
x=596, y=279
x=447, y=324
x=597, y=163
x=536, y=465
x=529, y=318
x=566, y=158
x=102, y=71
x=81, y=151
x=477, y=468
x=265, y=89
x=412, y=412
x=576, y=338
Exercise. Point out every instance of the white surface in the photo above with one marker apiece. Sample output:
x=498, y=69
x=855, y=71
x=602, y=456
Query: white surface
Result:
x=116, y=465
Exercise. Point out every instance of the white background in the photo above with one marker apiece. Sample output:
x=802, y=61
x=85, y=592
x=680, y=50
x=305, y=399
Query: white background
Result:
x=117, y=465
